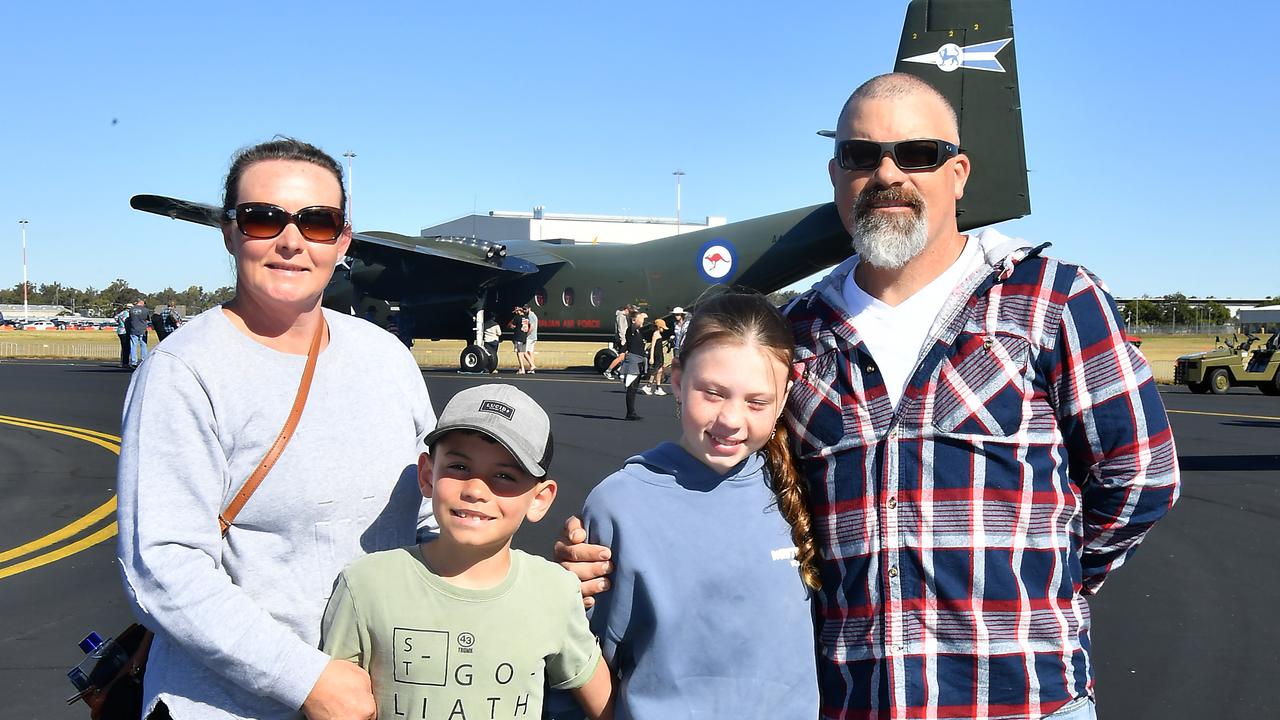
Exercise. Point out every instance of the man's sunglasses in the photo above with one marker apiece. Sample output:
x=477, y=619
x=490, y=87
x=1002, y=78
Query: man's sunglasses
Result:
x=263, y=221
x=924, y=154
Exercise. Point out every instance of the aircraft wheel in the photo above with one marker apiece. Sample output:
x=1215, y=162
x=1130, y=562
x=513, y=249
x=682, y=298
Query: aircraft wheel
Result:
x=474, y=359
x=1219, y=381
x=1199, y=388
x=604, y=358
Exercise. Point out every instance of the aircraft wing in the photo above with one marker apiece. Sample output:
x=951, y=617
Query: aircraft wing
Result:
x=199, y=213
x=440, y=254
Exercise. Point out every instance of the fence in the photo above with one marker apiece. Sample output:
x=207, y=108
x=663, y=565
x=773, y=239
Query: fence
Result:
x=1182, y=329
x=75, y=351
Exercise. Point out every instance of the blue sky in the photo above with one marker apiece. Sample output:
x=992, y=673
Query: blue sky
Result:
x=1133, y=121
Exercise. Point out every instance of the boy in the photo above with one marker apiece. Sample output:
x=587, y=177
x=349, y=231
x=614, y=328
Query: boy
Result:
x=462, y=625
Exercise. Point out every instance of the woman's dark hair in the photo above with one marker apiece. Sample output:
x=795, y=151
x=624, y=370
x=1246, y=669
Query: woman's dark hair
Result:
x=748, y=318
x=279, y=148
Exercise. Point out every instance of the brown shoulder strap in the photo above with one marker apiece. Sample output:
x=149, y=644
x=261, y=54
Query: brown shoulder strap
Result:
x=228, y=516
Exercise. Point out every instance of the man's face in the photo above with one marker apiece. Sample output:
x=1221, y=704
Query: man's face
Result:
x=890, y=213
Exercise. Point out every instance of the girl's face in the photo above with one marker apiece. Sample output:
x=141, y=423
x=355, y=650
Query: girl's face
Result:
x=731, y=396
x=287, y=269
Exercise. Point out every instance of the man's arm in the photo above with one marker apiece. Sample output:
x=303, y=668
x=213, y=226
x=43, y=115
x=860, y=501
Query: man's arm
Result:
x=1120, y=449
x=589, y=562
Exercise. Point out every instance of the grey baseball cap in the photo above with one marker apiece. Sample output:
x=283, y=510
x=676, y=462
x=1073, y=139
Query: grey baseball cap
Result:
x=506, y=414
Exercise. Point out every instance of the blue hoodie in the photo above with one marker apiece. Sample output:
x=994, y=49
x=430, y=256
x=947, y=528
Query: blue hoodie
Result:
x=707, y=616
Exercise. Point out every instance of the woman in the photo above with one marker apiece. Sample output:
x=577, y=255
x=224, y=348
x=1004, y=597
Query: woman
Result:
x=237, y=617
x=634, y=361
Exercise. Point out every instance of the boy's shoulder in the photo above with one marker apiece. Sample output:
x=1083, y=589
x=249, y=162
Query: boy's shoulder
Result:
x=547, y=580
x=379, y=566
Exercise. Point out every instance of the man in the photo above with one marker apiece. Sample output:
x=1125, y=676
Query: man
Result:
x=519, y=325
x=621, y=325
x=122, y=332
x=137, y=323
x=994, y=449
x=529, y=344
x=166, y=321
x=981, y=445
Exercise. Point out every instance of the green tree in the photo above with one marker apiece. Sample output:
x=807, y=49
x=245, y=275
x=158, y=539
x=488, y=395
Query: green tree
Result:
x=782, y=297
x=1143, y=312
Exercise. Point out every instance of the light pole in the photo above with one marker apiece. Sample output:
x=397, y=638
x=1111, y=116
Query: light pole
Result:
x=351, y=185
x=679, y=174
x=26, y=311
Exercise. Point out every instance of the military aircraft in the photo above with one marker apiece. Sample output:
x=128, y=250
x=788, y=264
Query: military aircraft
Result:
x=444, y=287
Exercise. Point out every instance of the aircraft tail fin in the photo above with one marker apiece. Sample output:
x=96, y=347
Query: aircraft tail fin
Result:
x=965, y=48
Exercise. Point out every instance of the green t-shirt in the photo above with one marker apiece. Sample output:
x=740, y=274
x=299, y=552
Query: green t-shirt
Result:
x=435, y=650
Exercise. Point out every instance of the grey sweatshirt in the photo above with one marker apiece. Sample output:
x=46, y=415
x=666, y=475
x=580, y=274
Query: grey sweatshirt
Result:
x=707, y=616
x=237, y=620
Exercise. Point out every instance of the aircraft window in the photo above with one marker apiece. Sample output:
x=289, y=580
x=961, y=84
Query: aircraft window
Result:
x=567, y=297
x=597, y=296
x=540, y=297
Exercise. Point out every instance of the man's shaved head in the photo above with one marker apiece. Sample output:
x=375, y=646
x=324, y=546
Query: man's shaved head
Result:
x=893, y=86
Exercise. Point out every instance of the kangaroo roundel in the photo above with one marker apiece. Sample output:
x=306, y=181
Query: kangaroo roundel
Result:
x=717, y=260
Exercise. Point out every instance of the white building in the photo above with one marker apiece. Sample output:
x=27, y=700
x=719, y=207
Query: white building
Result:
x=502, y=225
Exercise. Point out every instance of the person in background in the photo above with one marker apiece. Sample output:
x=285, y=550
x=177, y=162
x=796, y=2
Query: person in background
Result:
x=621, y=326
x=519, y=325
x=634, y=361
x=122, y=332
x=137, y=324
x=657, y=358
x=492, y=337
x=681, y=319
x=530, y=343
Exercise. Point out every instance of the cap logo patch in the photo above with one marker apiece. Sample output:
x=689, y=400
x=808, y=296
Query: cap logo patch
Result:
x=497, y=408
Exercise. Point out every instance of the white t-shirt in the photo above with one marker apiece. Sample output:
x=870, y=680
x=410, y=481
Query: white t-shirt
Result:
x=895, y=334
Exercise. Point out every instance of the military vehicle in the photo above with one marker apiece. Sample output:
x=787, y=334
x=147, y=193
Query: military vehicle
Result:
x=1232, y=365
x=445, y=287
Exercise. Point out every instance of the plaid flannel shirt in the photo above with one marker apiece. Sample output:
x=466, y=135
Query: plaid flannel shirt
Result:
x=960, y=532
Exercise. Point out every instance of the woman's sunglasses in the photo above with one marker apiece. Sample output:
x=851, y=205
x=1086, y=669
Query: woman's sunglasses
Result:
x=263, y=221
x=926, y=154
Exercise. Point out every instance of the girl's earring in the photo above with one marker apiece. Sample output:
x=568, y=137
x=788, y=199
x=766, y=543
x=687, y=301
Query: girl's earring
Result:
x=677, y=409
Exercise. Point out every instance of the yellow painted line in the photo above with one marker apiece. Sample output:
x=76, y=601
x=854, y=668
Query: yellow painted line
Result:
x=85, y=543
x=76, y=527
x=84, y=431
x=1230, y=415
x=64, y=430
x=93, y=517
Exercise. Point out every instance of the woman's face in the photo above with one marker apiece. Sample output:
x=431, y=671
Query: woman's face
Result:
x=731, y=397
x=287, y=270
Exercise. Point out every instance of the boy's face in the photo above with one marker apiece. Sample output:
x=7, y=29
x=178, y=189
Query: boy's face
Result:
x=478, y=491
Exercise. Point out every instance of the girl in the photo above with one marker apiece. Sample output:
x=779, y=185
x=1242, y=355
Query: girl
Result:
x=657, y=358
x=733, y=638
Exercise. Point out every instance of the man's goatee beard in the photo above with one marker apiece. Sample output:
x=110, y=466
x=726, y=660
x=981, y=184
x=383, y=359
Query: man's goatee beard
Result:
x=888, y=240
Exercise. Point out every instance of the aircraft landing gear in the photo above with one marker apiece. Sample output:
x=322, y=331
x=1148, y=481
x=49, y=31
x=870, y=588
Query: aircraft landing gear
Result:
x=475, y=359
x=603, y=359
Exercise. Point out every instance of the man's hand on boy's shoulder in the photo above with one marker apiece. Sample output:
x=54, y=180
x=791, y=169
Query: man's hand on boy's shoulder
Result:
x=589, y=562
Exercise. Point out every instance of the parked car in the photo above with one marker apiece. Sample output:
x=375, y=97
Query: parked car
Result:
x=40, y=325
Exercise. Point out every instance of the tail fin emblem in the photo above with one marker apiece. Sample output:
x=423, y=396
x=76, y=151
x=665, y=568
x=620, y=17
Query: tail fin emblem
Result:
x=952, y=57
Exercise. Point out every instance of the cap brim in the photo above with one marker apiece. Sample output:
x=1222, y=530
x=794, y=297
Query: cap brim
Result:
x=529, y=465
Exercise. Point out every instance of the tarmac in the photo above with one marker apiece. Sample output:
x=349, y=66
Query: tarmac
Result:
x=1181, y=631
